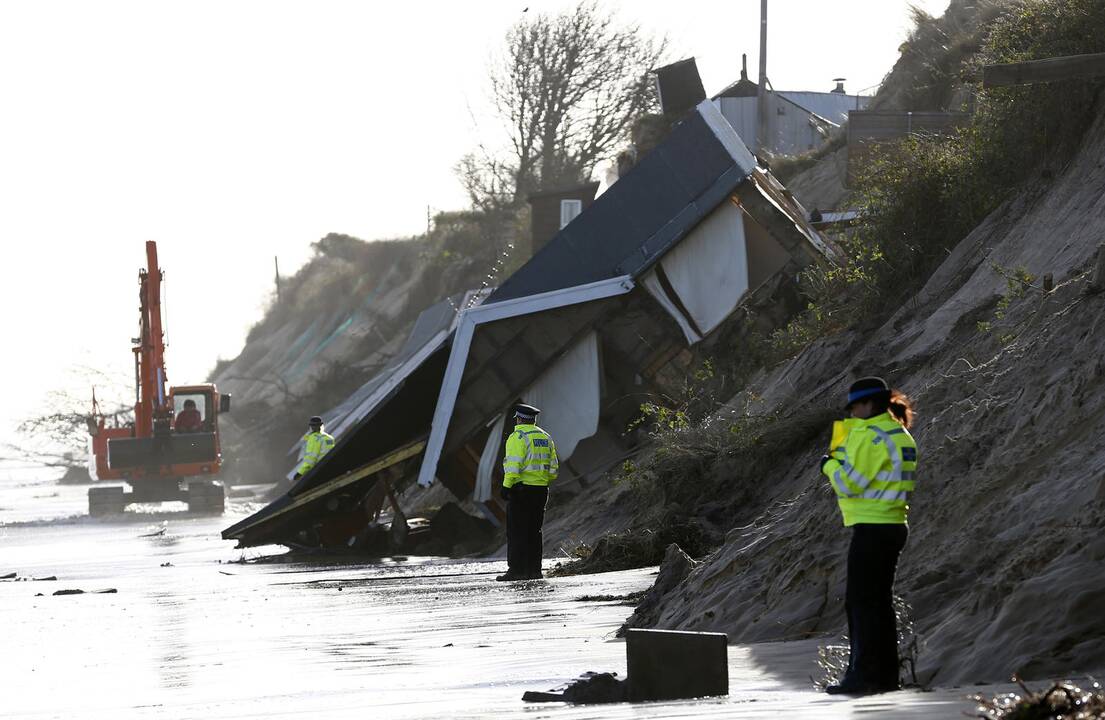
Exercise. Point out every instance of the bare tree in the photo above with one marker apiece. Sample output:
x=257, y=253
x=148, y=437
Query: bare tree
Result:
x=568, y=87
x=58, y=436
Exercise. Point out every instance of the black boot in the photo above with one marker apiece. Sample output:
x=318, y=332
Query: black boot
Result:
x=856, y=686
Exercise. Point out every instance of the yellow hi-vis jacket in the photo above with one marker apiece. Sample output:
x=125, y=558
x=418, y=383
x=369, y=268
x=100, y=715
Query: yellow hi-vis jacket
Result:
x=872, y=471
x=530, y=457
x=315, y=445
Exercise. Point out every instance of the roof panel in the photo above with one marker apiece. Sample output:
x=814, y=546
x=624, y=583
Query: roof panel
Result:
x=643, y=213
x=829, y=105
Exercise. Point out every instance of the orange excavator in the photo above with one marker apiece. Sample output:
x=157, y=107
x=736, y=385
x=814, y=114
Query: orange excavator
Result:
x=172, y=448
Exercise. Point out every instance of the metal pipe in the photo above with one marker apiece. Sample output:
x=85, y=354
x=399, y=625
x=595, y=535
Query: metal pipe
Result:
x=761, y=96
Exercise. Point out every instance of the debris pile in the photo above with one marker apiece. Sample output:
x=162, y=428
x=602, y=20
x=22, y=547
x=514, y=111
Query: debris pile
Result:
x=639, y=548
x=454, y=532
x=590, y=687
x=1062, y=701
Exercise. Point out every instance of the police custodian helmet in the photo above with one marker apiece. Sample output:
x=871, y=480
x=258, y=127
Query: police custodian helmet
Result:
x=525, y=412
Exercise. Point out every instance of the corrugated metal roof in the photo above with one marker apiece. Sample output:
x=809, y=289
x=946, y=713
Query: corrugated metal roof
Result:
x=833, y=107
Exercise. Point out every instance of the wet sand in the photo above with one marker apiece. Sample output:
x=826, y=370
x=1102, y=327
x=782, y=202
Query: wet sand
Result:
x=193, y=632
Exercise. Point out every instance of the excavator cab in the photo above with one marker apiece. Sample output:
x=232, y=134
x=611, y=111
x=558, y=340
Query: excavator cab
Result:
x=185, y=440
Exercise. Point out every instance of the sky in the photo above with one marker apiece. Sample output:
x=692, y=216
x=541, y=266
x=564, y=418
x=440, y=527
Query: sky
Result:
x=236, y=132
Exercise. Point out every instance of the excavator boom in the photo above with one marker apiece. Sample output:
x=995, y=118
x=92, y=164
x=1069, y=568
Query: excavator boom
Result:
x=149, y=351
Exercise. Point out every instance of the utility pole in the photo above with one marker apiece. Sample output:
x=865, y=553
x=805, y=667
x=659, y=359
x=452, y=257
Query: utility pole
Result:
x=761, y=97
x=276, y=262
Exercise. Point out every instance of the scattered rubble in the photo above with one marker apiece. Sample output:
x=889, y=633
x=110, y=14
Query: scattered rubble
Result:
x=663, y=665
x=1062, y=701
x=591, y=687
x=630, y=599
x=639, y=548
x=454, y=532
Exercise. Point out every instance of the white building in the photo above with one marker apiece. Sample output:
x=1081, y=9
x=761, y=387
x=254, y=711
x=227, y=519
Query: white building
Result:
x=797, y=121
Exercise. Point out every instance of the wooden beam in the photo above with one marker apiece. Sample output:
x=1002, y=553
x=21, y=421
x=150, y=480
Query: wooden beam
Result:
x=1071, y=67
x=396, y=511
x=364, y=471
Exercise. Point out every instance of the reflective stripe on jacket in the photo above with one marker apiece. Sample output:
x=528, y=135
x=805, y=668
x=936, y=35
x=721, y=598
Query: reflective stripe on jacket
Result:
x=530, y=457
x=872, y=472
x=315, y=445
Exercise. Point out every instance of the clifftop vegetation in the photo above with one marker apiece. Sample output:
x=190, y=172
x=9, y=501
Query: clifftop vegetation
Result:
x=924, y=194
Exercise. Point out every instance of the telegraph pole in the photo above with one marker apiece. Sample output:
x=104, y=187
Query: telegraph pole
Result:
x=761, y=97
x=276, y=262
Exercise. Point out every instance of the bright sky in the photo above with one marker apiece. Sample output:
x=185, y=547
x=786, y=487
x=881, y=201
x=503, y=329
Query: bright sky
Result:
x=233, y=132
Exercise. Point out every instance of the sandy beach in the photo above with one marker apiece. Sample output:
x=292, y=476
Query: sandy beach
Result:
x=195, y=632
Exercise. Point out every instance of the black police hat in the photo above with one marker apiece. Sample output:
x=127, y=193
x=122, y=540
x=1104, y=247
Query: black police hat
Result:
x=526, y=412
x=315, y=420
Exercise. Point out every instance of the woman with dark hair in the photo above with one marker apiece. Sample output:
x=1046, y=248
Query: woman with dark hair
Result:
x=871, y=468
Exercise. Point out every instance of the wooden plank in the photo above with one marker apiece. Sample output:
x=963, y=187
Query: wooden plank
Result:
x=659, y=359
x=395, y=509
x=1070, y=67
x=868, y=130
x=871, y=125
x=394, y=458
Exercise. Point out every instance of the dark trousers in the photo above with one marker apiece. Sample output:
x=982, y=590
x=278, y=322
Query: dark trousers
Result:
x=525, y=514
x=869, y=602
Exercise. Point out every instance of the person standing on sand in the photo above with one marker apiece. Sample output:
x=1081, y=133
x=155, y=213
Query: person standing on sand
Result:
x=871, y=469
x=529, y=465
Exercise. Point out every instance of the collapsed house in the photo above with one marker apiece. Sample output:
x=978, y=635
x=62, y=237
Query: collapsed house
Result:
x=600, y=318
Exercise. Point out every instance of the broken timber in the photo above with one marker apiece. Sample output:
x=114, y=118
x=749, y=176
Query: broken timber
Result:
x=404, y=453
x=1071, y=67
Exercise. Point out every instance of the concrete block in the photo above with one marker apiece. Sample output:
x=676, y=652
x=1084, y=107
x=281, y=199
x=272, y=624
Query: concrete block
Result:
x=671, y=665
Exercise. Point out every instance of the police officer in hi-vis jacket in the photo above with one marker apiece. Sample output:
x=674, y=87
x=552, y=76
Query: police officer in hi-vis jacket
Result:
x=871, y=468
x=529, y=465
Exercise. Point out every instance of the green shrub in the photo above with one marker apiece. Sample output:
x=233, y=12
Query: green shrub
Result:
x=787, y=167
x=920, y=197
